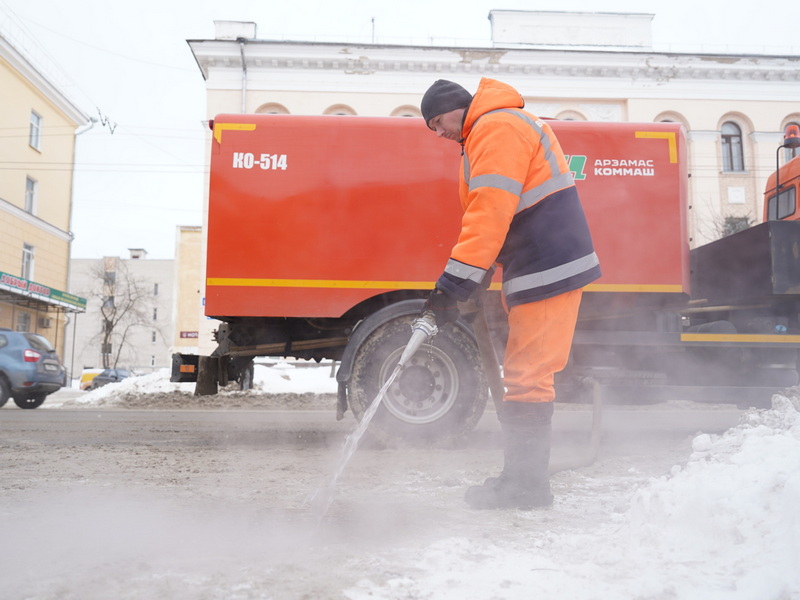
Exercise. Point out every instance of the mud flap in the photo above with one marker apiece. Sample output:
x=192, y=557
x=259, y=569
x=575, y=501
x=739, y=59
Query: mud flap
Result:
x=184, y=368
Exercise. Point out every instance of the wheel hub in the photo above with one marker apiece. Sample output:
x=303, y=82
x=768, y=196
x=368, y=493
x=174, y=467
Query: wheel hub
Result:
x=416, y=383
x=426, y=388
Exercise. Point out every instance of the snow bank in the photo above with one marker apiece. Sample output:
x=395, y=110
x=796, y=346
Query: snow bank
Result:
x=280, y=378
x=726, y=525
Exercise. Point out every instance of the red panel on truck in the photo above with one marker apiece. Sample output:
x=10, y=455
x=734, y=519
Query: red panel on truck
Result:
x=309, y=216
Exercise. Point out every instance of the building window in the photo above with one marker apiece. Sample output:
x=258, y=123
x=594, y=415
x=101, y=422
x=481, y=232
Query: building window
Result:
x=155, y=314
x=272, y=108
x=732, y=150
x=35, y=133
x=31, y=192
x=339, y=109
x=27, y=262
x=153, y=337
x=155, y=289
x=108, y=302
x=570, y=115
x=406, y=111
x=23, y=321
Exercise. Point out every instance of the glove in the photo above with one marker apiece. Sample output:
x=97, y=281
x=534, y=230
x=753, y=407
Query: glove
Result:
x=443, y=307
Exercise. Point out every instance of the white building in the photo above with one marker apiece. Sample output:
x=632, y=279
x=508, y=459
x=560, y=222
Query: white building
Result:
x=591, y=66
x=137, y=296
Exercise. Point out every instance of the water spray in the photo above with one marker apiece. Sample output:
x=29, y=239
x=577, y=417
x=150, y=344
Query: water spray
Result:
x=422, y=329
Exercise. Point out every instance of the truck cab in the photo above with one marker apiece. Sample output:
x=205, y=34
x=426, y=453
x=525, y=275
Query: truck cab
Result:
x=780, y=196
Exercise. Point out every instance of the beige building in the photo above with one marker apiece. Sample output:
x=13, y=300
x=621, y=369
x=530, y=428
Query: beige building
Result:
x=581, y=66
x=40, y=125
x=193, y=331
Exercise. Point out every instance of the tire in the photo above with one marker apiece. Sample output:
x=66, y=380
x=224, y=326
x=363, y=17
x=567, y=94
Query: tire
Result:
x=34, y=401
x=439, y=395
x=245, y=374
x=5, y=392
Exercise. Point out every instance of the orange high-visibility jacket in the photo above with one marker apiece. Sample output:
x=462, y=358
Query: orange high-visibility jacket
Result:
x=521, y=207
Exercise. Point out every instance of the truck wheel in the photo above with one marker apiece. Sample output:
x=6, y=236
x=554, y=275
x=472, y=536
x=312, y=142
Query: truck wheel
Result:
x=34, y=401
x=245, y=376
x=439, y=395
x=5, y=393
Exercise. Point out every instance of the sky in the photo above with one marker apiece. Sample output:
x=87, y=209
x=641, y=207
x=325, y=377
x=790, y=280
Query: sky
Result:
x=140, y=167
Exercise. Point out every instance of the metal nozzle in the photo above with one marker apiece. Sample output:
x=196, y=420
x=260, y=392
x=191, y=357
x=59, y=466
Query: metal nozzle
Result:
x=422, y=329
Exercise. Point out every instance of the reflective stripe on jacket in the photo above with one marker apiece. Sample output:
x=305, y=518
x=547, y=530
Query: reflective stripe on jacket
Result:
x=521, y=207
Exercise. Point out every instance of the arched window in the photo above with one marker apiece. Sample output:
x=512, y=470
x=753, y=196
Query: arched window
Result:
x=406, y=111
x=272, y=108
x=339, y=109
x=570, y=115
x=732, y=148
x=672, y=117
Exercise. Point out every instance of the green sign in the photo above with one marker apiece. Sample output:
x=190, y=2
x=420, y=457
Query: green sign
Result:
x=31, y=289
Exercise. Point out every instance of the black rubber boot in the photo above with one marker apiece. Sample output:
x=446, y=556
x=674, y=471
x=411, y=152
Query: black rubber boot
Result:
x=525, y=481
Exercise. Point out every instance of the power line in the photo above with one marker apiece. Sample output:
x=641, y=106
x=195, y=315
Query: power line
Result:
x=121, y=168
x=112, y=53
x=150, y=207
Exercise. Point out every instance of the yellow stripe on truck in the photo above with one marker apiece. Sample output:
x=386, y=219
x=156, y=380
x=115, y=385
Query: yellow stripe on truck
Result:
x=320, y=283
x=635, y=287
x=741, y=337
x=404, y=285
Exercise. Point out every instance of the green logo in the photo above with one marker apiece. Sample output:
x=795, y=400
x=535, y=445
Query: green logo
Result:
x=576, y=165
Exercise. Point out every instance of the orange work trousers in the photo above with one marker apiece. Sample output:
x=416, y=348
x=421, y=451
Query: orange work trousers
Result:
x=539, y=341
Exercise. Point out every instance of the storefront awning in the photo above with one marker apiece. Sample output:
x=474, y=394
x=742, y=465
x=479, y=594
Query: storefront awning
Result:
x=17, y=290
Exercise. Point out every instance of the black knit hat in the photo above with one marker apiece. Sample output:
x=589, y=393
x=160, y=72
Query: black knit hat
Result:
x=443, y=96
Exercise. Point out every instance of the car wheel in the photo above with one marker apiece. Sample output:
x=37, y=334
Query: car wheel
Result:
x=5, y=393
x=34, y=401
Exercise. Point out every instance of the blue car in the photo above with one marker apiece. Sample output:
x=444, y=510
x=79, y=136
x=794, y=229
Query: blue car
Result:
x=29, y=368
x=109, y=376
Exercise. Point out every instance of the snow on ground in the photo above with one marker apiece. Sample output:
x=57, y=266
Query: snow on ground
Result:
x=725, y=526
x=280, y=378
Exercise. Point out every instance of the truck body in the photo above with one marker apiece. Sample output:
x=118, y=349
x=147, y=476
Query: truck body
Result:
x=325, y=234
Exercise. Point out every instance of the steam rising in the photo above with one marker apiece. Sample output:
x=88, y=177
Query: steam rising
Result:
x=185, y=515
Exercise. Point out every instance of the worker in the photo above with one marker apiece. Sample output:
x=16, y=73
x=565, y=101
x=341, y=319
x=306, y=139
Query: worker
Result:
x=521, y=212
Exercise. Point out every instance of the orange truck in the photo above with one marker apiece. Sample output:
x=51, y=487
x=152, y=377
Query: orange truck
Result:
x=325, y=235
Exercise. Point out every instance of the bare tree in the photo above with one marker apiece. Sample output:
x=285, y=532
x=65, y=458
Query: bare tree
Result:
x=733, y=224
x=718, y=225
x=126, y=304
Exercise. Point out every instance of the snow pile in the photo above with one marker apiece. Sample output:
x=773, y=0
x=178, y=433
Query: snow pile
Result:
x=733, y=508
x=297, y=378
x=726, y=525
x=154, y=383
x=280, y=378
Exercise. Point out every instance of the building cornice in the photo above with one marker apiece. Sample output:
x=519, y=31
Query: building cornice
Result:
x=42, y=84
x=30, y=219
x=642, y=67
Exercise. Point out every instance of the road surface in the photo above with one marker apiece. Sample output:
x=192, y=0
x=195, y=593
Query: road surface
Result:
x=214, y=503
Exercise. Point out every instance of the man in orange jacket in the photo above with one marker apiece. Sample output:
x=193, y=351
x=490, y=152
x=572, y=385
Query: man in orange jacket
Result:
x=521, y=211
